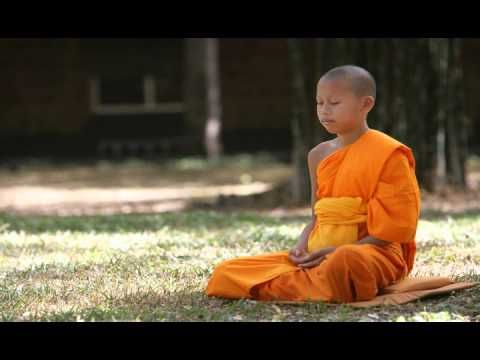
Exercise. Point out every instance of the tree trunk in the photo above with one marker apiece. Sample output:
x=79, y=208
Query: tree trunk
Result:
x=455, y=124
x=421, y=101
x=389, y=86
x=195, y=87
x=300, y=120
x=214, y=109
x=426, y=170
x=470, y=57
x=324, y=58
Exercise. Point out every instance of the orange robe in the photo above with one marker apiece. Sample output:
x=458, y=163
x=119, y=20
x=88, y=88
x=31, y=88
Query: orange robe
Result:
x=366, y=188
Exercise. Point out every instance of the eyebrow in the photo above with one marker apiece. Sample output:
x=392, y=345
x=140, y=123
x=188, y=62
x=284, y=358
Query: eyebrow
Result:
x=336, y=97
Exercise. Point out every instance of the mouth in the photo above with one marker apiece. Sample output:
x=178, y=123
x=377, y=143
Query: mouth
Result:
x=327, y=121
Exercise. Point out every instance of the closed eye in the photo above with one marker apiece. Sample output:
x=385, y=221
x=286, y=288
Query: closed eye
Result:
x=331, y=103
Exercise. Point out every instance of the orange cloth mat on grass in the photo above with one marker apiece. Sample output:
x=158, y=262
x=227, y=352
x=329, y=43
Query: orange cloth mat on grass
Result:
x=406, y=290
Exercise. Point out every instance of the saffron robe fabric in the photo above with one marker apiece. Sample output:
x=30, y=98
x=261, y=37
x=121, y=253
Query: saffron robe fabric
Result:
x=373, y=181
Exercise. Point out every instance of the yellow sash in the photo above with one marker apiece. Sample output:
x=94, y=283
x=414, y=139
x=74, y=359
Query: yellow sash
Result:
x=336, y=223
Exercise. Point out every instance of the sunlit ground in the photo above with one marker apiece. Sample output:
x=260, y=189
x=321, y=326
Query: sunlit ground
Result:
x=154, y=267
x=134, y=186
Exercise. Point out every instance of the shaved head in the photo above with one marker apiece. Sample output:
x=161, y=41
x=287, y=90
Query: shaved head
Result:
x=361, y=81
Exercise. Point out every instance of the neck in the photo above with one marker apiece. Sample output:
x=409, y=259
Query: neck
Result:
x=352, y=136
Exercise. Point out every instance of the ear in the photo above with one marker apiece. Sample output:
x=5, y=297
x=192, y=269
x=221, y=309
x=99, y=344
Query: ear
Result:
x=368, y=103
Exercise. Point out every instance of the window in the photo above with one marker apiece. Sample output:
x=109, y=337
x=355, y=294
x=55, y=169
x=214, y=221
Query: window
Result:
x=129, y=95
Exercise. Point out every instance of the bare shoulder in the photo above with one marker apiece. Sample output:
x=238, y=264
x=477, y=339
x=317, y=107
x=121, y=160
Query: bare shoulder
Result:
x=319, y=152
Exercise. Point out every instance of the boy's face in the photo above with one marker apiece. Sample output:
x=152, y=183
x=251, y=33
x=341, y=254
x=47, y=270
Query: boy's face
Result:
x=339, y=109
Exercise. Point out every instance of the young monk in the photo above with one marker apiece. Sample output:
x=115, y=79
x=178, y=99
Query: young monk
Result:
x=365, y=210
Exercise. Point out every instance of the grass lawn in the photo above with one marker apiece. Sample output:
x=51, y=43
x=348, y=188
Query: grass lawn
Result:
x=154, y=267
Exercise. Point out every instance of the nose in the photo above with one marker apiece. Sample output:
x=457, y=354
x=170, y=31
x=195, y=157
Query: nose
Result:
x=323, y=109
x=324, y=112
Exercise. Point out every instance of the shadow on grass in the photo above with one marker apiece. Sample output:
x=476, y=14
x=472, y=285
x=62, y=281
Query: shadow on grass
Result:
x=183, y=221
x=190, y=220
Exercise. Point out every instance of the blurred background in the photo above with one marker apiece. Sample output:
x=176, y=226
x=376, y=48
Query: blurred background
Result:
x=100, y=126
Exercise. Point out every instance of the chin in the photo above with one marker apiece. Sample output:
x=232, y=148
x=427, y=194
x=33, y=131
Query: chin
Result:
x=331, y=131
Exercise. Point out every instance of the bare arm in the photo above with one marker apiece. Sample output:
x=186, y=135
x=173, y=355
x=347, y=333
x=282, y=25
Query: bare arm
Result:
x=314, y=156
x=303, y=240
